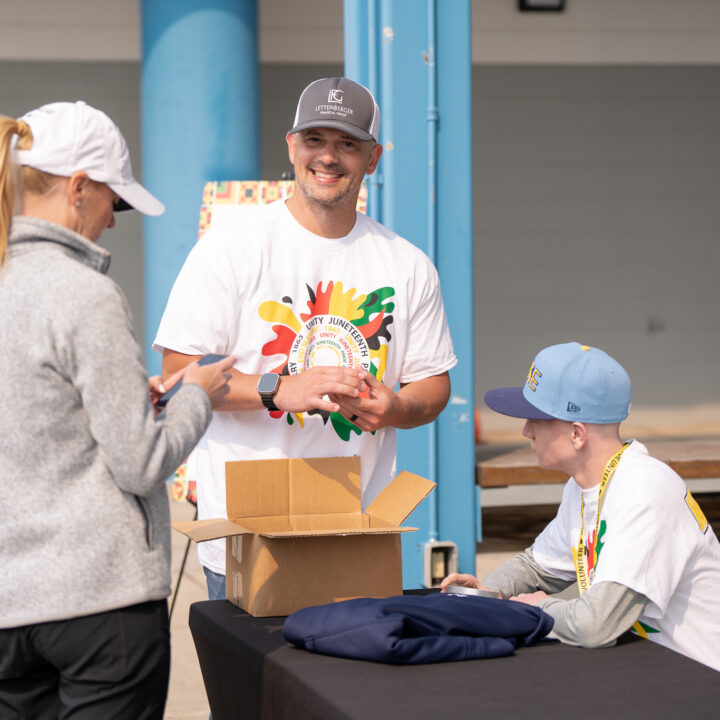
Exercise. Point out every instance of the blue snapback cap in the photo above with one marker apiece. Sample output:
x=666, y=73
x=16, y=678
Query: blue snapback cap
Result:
x=572, y=382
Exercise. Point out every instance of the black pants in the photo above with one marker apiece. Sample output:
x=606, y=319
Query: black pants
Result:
x=110, y=665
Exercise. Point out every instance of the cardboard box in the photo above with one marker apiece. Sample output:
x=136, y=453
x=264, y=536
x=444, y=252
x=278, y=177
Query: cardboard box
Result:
x=296, y=535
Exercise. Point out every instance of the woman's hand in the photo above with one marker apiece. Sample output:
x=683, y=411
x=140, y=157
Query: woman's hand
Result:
x=157, y=388
x=213, y=378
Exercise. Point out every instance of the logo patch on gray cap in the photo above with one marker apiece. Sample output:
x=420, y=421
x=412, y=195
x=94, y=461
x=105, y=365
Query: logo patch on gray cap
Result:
x=341, y=104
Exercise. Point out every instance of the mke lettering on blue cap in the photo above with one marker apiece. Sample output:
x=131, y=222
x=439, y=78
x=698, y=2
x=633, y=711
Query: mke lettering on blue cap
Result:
x=533, y=376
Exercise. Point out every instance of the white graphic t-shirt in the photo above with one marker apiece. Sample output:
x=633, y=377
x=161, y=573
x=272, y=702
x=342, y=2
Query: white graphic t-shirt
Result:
x=653, y=538
x=282, y=299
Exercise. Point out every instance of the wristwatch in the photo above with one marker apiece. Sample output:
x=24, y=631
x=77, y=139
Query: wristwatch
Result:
x=267, y=387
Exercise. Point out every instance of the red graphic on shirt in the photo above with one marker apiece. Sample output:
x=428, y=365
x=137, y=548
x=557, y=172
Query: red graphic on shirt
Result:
x=340, y=329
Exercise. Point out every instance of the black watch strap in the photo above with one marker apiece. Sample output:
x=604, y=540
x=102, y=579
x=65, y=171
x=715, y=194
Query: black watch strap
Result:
x=267, y=387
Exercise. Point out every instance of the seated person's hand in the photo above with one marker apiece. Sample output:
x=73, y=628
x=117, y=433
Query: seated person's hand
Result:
x=530, y=598
x=462, y=579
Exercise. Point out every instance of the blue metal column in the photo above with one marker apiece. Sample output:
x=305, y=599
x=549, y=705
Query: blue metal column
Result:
x=456, y=430
x=362, y=56
x=423, y=56
x=200, y=122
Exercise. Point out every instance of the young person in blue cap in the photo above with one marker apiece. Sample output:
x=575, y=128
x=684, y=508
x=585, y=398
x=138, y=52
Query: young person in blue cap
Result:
x=628, y=530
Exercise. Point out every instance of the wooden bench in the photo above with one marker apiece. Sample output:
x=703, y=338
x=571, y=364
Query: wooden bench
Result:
x=691, y=459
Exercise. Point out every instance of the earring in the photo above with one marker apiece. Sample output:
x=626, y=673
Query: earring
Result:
x=77, y=203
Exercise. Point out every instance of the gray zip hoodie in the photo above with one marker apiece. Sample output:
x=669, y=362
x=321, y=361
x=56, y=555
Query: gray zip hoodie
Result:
x=84, y=518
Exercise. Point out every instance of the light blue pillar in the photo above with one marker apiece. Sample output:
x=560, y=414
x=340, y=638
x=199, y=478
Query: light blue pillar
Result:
x=456, y=430
x=200, y=122
x=362, y=58
x=416, y=57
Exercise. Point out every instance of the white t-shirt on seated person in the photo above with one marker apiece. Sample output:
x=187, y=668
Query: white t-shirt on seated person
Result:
x=651, y=538
x=282, y=299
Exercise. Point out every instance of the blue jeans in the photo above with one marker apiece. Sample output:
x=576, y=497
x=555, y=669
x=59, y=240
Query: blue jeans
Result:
x=216, y=590
x=215, y=584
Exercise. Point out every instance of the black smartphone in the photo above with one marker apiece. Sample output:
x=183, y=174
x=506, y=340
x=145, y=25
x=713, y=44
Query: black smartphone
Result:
x=205, y=360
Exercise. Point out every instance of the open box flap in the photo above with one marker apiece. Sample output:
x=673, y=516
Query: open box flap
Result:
x=212, y=529
x=336, y=532
x=400, y=497
x=292, y=486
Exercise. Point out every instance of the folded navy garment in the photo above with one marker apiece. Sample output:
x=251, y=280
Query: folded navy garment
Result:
x=416, y=629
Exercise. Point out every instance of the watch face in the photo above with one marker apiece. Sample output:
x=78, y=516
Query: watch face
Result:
x=268, y=383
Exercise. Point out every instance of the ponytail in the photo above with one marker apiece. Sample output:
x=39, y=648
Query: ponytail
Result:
x=8, y=174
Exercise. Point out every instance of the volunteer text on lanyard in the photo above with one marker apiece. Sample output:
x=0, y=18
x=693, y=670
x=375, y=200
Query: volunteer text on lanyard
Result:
x=581, y=569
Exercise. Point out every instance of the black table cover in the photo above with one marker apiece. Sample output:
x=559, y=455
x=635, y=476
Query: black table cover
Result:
x=251, y=672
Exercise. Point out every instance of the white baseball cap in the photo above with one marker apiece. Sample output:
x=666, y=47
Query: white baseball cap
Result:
x=73, y=137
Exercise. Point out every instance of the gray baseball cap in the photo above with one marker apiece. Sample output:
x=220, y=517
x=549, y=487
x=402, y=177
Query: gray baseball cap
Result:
x=338, y=103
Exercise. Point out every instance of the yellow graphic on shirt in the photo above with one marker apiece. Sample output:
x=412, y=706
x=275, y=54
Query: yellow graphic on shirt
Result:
x=275, y=312
x=698, y=514
x=341, y=329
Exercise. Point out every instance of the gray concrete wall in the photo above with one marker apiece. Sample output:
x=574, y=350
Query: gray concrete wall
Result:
x=599, y=32
x=114, y=87
x=596, y=219
x=596, y=207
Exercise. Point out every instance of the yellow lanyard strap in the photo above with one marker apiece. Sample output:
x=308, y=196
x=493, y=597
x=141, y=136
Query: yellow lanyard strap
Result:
x=581, y=570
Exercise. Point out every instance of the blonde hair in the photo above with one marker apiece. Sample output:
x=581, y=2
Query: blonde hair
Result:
x=13, y=180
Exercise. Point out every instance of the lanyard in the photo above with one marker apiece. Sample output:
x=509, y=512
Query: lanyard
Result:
x=581, y=570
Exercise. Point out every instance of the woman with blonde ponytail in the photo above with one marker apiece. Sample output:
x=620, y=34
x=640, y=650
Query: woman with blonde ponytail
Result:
x=9, y=130
x=84, y=519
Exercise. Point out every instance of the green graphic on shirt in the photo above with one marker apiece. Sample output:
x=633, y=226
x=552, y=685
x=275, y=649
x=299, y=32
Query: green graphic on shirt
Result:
x=341, y=329
x=643, y=629
x=374, y=305
x=594, y=546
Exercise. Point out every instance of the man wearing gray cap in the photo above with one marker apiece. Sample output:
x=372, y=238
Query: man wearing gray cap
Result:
x=628, y=531
x=325, y=310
